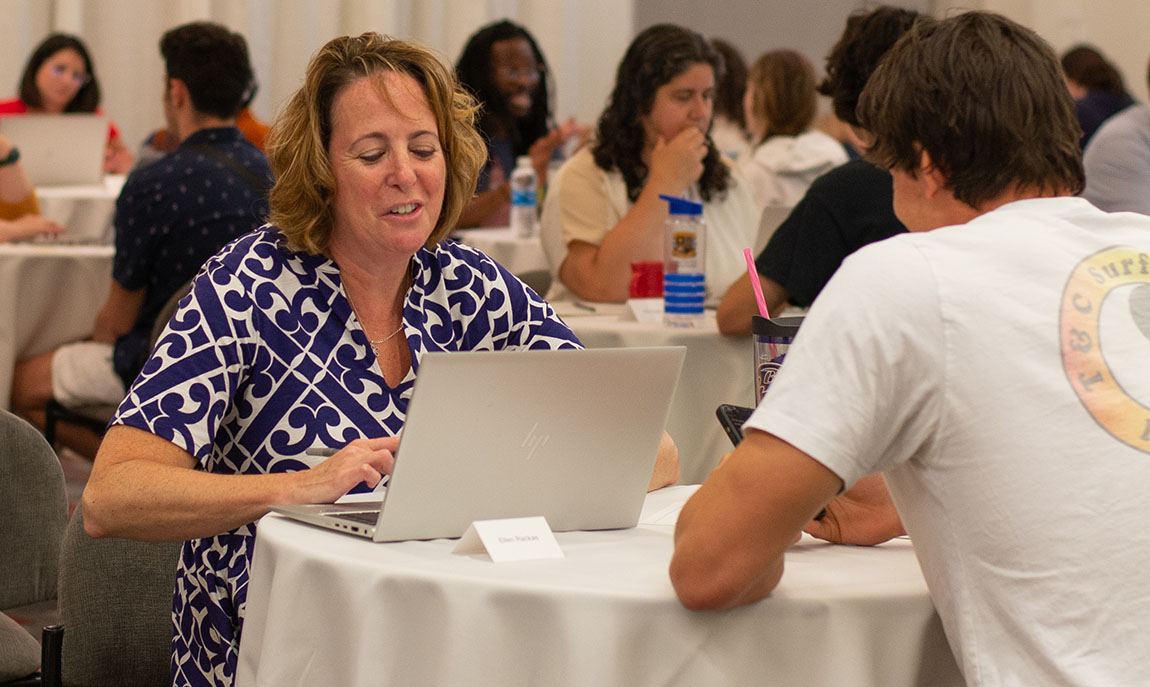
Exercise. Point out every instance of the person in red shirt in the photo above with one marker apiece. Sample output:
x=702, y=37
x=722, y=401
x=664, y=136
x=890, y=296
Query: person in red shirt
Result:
x=60, y=78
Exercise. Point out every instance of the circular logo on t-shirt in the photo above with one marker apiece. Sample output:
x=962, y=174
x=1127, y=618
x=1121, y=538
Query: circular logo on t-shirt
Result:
x=1107, y=299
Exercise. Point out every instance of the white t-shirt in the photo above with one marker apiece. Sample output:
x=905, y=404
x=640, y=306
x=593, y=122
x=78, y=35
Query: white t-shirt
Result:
x=998, y=373
x=584, y=202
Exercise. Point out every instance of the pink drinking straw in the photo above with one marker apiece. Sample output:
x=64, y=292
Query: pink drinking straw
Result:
x=754, y=274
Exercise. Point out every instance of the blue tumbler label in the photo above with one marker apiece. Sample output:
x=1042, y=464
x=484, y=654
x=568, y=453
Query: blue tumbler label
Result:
x=683, y=294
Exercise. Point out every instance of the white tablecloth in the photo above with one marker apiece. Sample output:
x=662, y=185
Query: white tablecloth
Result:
x=85, y=211
x=330, y=609
x=718, y=369
x=516, y=254
x=49, y=295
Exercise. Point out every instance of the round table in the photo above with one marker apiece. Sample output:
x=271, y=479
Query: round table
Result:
x=518, y=255
x=328, y=608
x=86, y=212
x=49, y=295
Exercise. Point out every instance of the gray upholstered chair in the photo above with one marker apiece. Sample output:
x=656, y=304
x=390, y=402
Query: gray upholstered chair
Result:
x=19, y=654
x=115, y=599
x=538, y=280
x=34, y=511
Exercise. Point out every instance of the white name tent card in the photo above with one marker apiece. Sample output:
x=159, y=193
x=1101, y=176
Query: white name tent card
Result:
x=645, y=310
x=510, y=539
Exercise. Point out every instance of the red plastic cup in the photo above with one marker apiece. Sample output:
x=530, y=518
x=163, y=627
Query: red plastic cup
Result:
x=646, y=279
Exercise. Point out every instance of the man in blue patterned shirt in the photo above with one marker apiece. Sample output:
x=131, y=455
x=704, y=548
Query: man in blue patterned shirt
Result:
x=170, y=217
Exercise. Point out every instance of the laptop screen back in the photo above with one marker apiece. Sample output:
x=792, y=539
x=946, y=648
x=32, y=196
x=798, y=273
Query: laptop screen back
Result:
x=59, y=150
x=571, y=435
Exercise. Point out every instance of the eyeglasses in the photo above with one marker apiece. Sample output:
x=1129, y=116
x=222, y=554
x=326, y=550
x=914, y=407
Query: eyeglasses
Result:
x=79, y=78
x=513, y=73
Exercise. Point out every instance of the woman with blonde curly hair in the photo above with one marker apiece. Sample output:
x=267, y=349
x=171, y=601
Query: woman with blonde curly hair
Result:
x=309, y=331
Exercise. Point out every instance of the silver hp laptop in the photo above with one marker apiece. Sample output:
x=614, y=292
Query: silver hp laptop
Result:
x=569, y=435
x=59, y=150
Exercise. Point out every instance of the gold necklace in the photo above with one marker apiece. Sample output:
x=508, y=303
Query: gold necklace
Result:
x=375, y=343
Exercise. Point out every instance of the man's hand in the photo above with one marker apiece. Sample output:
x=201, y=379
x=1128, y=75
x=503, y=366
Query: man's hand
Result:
x=543, y=149
x=862, y=515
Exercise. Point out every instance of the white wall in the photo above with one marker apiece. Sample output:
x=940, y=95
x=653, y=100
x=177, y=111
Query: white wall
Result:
x=1119, y=28
x=809, y=26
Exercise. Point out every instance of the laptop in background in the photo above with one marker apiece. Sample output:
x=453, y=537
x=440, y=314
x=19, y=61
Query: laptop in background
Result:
x=569, y=435
x=59, y=150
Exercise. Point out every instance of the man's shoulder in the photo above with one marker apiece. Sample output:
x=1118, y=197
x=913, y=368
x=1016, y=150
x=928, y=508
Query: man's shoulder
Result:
x=850, y=175
x=1131, y=123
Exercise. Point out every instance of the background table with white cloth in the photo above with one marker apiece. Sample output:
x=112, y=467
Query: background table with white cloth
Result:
x=86, y=212
x=519, y=255
x=718, y=369
x=49, y=295
x=333, y=609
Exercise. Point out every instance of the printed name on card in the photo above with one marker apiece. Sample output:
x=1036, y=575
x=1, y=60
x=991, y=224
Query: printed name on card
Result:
x=510, y=539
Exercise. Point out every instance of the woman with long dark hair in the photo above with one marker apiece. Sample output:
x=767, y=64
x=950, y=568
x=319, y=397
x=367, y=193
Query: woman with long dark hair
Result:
x=603, y=212
x=59, y=78
x=504, y=69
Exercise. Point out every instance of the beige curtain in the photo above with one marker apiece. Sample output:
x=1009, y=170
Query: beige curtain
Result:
x=582, y=40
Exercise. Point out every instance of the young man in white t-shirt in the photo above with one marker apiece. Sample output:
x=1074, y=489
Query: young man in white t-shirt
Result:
x=993, y=369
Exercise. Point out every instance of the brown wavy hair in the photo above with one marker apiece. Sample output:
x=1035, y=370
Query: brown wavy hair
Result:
x=782, y=85
x=984, y=97
x=656, y=56
x=297, y=145
x=866, y=39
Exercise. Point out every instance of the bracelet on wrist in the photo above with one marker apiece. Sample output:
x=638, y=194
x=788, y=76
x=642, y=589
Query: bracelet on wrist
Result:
x=13, y=156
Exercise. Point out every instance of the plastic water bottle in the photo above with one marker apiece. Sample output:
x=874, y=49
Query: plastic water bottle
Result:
x=684, y=275
x=524, y=198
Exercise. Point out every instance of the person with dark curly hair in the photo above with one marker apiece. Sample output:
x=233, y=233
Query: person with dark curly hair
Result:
x=504, y=69
x=59, y=78
x=603, y=211
x=843, y=210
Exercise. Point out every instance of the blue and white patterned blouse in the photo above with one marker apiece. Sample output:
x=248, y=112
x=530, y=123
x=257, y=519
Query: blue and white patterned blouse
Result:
x=264, y=359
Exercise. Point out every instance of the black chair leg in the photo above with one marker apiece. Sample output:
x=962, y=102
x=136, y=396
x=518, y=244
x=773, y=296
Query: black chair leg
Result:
x=52, y=642
x=55, y=413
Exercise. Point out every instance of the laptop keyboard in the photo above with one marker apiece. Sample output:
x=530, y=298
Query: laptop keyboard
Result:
x=366, y=517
